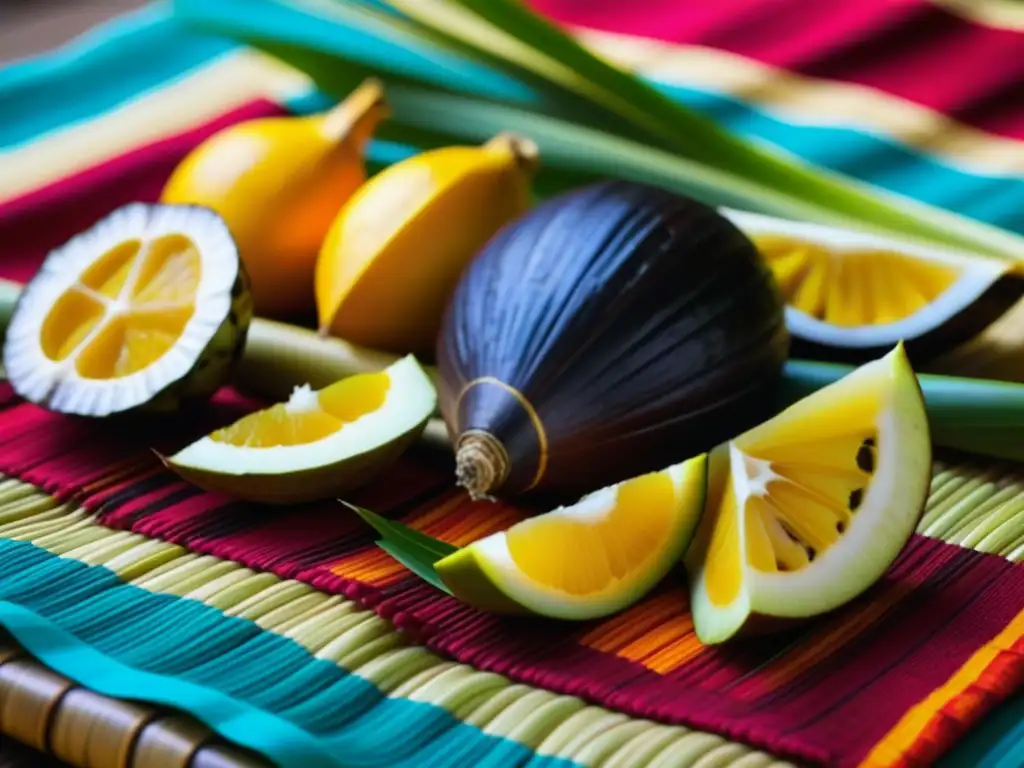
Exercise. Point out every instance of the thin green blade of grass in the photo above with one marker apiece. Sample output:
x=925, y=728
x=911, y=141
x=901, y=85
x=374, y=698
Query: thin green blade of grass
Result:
x=508, y=28
x=348, y=31
x=415, y=550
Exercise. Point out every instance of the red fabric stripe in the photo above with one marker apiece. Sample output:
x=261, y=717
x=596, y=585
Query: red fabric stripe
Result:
x=953, y=600
x=31, y=225
x=912, y=49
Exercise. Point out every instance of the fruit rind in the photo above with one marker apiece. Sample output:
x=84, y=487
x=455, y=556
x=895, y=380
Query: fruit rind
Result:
x=484, y=574
x=985, y=289
x=200, y=360
x=893, y=504
x=327, y=467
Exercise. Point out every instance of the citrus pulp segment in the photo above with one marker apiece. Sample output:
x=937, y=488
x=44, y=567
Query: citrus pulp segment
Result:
x=148, y=307
x=317, y=444
x=809, y=509
x=589, y=559
x=851, y=290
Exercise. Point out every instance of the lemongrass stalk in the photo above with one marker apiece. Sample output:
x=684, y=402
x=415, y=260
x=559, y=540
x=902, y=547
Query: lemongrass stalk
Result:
x=643, y=135
x=972, y=415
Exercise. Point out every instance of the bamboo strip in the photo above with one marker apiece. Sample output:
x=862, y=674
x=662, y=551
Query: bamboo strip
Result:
x=89, y=729
x=47, y=712
x=29, y=695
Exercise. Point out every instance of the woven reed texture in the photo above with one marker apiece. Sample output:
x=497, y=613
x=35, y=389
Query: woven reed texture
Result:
x=328, y=628
x=972, y=504
x=49, y=722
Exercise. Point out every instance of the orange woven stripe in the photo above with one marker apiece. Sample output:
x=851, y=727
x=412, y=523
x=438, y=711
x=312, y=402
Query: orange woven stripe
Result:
x=897, y=747
x=657, y=633
x=830, y=639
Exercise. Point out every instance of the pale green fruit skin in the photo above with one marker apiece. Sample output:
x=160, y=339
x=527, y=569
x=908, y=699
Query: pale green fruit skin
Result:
x=475, y=580
x=911, y=467
x=314, y=484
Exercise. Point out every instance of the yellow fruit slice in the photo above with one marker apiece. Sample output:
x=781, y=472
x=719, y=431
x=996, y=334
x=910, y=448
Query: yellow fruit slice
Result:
x=147, y=308
x=809, y=509
x=587, y=560
x=317, y=444
x=397, y=248
x=278, y=182
x=859, y=293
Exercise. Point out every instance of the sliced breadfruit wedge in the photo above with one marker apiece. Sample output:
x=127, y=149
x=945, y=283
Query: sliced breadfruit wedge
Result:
x=146, y=309
x=809, y=509
x=318, y=444
x=587, y=560
x=852, y=295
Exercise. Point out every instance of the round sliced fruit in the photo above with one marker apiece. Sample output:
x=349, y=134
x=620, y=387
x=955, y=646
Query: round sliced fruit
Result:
x=809, y=509
x=853, y=295
x=587, y=560
x=317, y=445
x=148, y=308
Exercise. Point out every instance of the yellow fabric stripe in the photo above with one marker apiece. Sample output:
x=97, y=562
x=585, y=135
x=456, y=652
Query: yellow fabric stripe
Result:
x=998, y=14
x=798, y=99
x=339, y=630
x=902, y=737
x=227, y=83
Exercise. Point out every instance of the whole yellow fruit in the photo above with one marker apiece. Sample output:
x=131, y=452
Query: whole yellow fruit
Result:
x=399, y=245
x=278, y=182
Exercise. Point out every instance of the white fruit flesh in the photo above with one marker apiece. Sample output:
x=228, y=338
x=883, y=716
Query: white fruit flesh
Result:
x=592, y=558
x=409, y=400
x=943, y=283
x=93, y=344
x=809, y=509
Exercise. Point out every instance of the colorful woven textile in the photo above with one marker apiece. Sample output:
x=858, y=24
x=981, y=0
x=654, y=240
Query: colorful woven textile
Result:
x=894, y=679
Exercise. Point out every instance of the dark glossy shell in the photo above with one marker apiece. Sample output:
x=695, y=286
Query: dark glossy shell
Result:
x=610, y=331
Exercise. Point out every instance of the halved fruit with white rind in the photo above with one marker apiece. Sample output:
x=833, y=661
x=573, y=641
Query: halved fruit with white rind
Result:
x=587, y=560
x=853, y=295
x=809, y=509
x=146, y=309
x=318, y=444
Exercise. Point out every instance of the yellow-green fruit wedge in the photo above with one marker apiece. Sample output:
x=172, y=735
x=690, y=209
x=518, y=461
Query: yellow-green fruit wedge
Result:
x=809, y=509
x=591, y=559
x=316, y=445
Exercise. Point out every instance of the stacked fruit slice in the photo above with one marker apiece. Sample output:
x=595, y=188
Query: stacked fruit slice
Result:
x=807, y=510
x=796, y=517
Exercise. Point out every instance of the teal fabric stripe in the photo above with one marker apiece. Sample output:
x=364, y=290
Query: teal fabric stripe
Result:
x=112, y=65
x=146, y=50
x=876, y=160
x=255, y=688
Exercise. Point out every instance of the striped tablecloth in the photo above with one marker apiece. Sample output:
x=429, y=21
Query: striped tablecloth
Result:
x=106, y=587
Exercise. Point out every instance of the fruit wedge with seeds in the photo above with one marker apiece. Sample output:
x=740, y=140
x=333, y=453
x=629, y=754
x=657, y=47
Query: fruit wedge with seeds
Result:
x=587, y=560
x=318, y=444
x=809, y=509
x=146, y=309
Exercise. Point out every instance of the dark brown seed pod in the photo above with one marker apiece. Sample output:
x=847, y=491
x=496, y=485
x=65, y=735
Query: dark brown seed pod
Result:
x=610, y=331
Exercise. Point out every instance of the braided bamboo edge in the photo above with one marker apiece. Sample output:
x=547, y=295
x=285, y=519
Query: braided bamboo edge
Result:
x=48, y=713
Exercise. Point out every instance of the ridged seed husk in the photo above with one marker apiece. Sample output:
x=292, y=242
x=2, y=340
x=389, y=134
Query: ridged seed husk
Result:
x=610, y=331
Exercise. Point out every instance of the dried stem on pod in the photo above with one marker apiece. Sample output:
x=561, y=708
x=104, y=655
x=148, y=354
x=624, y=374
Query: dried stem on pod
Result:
x=481, y=464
